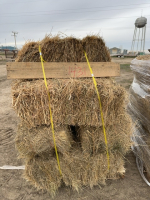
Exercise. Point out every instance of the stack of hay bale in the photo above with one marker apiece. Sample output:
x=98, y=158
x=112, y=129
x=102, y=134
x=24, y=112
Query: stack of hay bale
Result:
x=77, y=120
x=139, y=108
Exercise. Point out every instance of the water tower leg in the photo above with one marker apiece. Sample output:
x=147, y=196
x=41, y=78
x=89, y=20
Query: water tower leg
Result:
x=138, y=40
x=144, y=38
x=134, y=38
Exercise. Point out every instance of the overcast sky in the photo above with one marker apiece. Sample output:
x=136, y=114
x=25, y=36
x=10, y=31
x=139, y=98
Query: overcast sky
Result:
x=113, y=20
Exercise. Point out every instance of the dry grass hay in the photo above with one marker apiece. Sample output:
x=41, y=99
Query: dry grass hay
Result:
x=118, y=137
x=69, y=49
x=143, y=57
x=140, y=91
x=43, y=173
x=141, y=139
x=141, y=69
x=73, y=101
x=85, y=170
x=30, y=49
x=30, y=142
x=95, y=49
x=77, y=170
x=143, y=79
x=140, y=106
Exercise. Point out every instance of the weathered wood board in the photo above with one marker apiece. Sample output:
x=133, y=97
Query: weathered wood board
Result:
x=31, y=70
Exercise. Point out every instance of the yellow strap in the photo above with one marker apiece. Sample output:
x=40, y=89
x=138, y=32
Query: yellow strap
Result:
x=51, y=117
x=43, y=60
x=102, y=118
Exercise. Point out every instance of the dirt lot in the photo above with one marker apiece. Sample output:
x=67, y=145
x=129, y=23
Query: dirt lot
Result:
x=14, y=187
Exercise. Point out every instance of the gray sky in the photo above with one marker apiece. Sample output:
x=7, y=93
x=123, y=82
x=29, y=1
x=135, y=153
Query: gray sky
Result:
x=113, y=20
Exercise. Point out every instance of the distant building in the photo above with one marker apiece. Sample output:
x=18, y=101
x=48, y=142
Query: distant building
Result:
x=116, y=51
x=125, y=51
x=2, y=48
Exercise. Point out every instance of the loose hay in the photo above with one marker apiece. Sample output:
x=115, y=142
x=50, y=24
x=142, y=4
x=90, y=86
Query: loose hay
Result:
x=73, y=101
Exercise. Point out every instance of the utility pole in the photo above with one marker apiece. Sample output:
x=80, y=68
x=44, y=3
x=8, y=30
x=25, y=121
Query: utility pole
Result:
x=5, y=44
x=14, y=34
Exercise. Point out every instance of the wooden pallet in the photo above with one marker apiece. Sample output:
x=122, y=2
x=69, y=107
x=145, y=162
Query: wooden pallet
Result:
x=31, y=70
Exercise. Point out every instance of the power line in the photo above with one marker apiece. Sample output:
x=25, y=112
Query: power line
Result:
x=72, y=20
x=95, y=29
x=71, y=12
x=14, y=34
x=22, y=2
x=78, y=8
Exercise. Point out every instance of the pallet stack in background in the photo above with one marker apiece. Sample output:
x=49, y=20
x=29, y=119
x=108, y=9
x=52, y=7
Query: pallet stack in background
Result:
x=139, y=107
x=77, y=119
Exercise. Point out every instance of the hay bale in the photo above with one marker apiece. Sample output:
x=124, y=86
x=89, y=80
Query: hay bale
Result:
x=140, y=104
x=141, y=143
x=140, y=91
x=118, y=137
x=30, y=142
x=139, y=108
x=42, y=172
x=73, y=101
x=84, y=170
x=77, y=170
x=143, y=57
x=95, y=49
x=69, y=49
x=29, y=50
x=141, y=70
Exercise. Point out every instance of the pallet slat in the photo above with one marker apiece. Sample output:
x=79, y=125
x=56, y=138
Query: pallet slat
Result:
x=31, y=70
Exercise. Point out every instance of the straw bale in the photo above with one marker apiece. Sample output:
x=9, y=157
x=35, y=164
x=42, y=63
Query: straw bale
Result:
x=141, y=70
x=73, y=101
x=30, y=142
x=84, y=170
x=140, y=106
x=95, y=49
x=141, y=141
x=30, y=49
x=42, y=171
x=143, y=57
x=143, y=79
x=145, y=156
x=69, y=49
x=77, y=170
x=118, y=137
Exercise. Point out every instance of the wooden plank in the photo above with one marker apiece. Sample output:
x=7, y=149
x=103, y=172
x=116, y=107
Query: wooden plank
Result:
x=27, y=70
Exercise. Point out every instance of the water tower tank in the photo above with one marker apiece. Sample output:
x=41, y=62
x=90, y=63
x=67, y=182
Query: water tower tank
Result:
x=139, y=34
x=141, y=22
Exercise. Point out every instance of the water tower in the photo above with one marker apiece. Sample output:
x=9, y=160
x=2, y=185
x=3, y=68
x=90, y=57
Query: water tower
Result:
x=138, y=42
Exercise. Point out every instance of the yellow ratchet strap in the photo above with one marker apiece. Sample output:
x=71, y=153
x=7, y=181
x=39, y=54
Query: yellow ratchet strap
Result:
x=51, y=117
x=100, y=105
x=43, y=60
